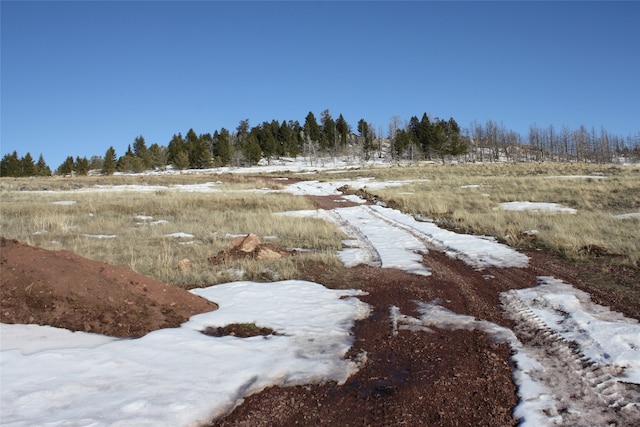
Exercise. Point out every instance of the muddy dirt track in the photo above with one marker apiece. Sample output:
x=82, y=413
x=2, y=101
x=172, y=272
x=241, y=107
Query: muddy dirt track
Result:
x=441, y=378
x=444, y=378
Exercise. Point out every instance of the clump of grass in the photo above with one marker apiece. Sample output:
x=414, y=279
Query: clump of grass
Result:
x=239, y=330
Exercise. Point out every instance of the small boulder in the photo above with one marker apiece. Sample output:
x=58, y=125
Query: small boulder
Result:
x=246, y=243
x=265, y=252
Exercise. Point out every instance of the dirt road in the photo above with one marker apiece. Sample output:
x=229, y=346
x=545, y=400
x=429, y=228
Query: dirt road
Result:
x=446, y=376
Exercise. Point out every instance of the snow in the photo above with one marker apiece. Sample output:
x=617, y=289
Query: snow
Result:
x=395, y=248
x=398, y=239
x=180, y=235
x=606, y=337
x=64, y=202
x=628, y=215
x=206, y=187
x=30, y=339
x=179, y=376
x=143, y=217
x=477, y=251
x=576, y=177
x=536, y=206
x=101, y=236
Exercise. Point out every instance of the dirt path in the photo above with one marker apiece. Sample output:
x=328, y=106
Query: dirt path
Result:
x=442, y=378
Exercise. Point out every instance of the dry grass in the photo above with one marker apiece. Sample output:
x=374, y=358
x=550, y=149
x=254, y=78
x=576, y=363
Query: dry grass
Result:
x=468, y=198
x=463, y=197
x=143, y=221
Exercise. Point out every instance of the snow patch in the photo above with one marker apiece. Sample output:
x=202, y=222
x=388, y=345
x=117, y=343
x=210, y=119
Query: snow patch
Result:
x=180, y=235
x=536, y=206
x=179, y=376
x=628, y=215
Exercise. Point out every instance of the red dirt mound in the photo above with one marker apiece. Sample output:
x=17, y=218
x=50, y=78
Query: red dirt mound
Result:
x=62, y=289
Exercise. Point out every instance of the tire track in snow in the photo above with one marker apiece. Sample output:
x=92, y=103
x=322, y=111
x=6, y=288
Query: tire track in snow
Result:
x=421, y=236
x=369, y=253
x=584, y=393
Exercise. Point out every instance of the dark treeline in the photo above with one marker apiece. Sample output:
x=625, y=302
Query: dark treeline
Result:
x=418, y=139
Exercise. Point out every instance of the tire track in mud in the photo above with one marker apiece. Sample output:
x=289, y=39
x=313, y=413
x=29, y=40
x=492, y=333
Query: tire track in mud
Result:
x=588, y=391
x=585, y=393
x=466, y=378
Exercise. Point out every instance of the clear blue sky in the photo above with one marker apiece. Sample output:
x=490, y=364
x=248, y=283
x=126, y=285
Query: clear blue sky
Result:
x=80, y=76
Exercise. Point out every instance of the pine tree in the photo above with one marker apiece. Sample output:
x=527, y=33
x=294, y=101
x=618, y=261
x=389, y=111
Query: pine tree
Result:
x=82, y=165
x=128, y=162
x=140, y=151
x=27, y=165
x=448, y=139
x=176, y=145
x=199, y=151
x=252, y=150
x=311, y=128
x=328, y=133
x=295, y=145
x=41, y=167
x=365, y=132
x=266, y=140
x=285, y=137
x=157, y=156
x=67, y=167
x=109, y=162
x=342, y=128
x=10, y=165
x=181, y=160
x=242, y=131
x=223, y=147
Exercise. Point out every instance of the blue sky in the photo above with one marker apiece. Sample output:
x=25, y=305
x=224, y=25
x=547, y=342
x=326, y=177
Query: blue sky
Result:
x=80, y=76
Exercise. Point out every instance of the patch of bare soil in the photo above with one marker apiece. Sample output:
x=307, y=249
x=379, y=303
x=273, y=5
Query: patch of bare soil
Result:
x=62, y=289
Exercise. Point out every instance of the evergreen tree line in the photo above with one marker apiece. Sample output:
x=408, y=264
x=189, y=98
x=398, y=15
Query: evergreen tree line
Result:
x=424, y=138
x=11, y=165
x=427, y=138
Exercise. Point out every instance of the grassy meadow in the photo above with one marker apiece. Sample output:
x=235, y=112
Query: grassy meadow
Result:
x=465, y=197
x=143, y=224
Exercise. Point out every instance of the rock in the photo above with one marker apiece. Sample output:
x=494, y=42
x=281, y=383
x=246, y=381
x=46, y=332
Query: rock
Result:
x=246, y=244
x=267, y=253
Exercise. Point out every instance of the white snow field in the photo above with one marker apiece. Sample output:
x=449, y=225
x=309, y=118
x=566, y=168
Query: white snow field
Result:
x=564, y=345
x=179, y=376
